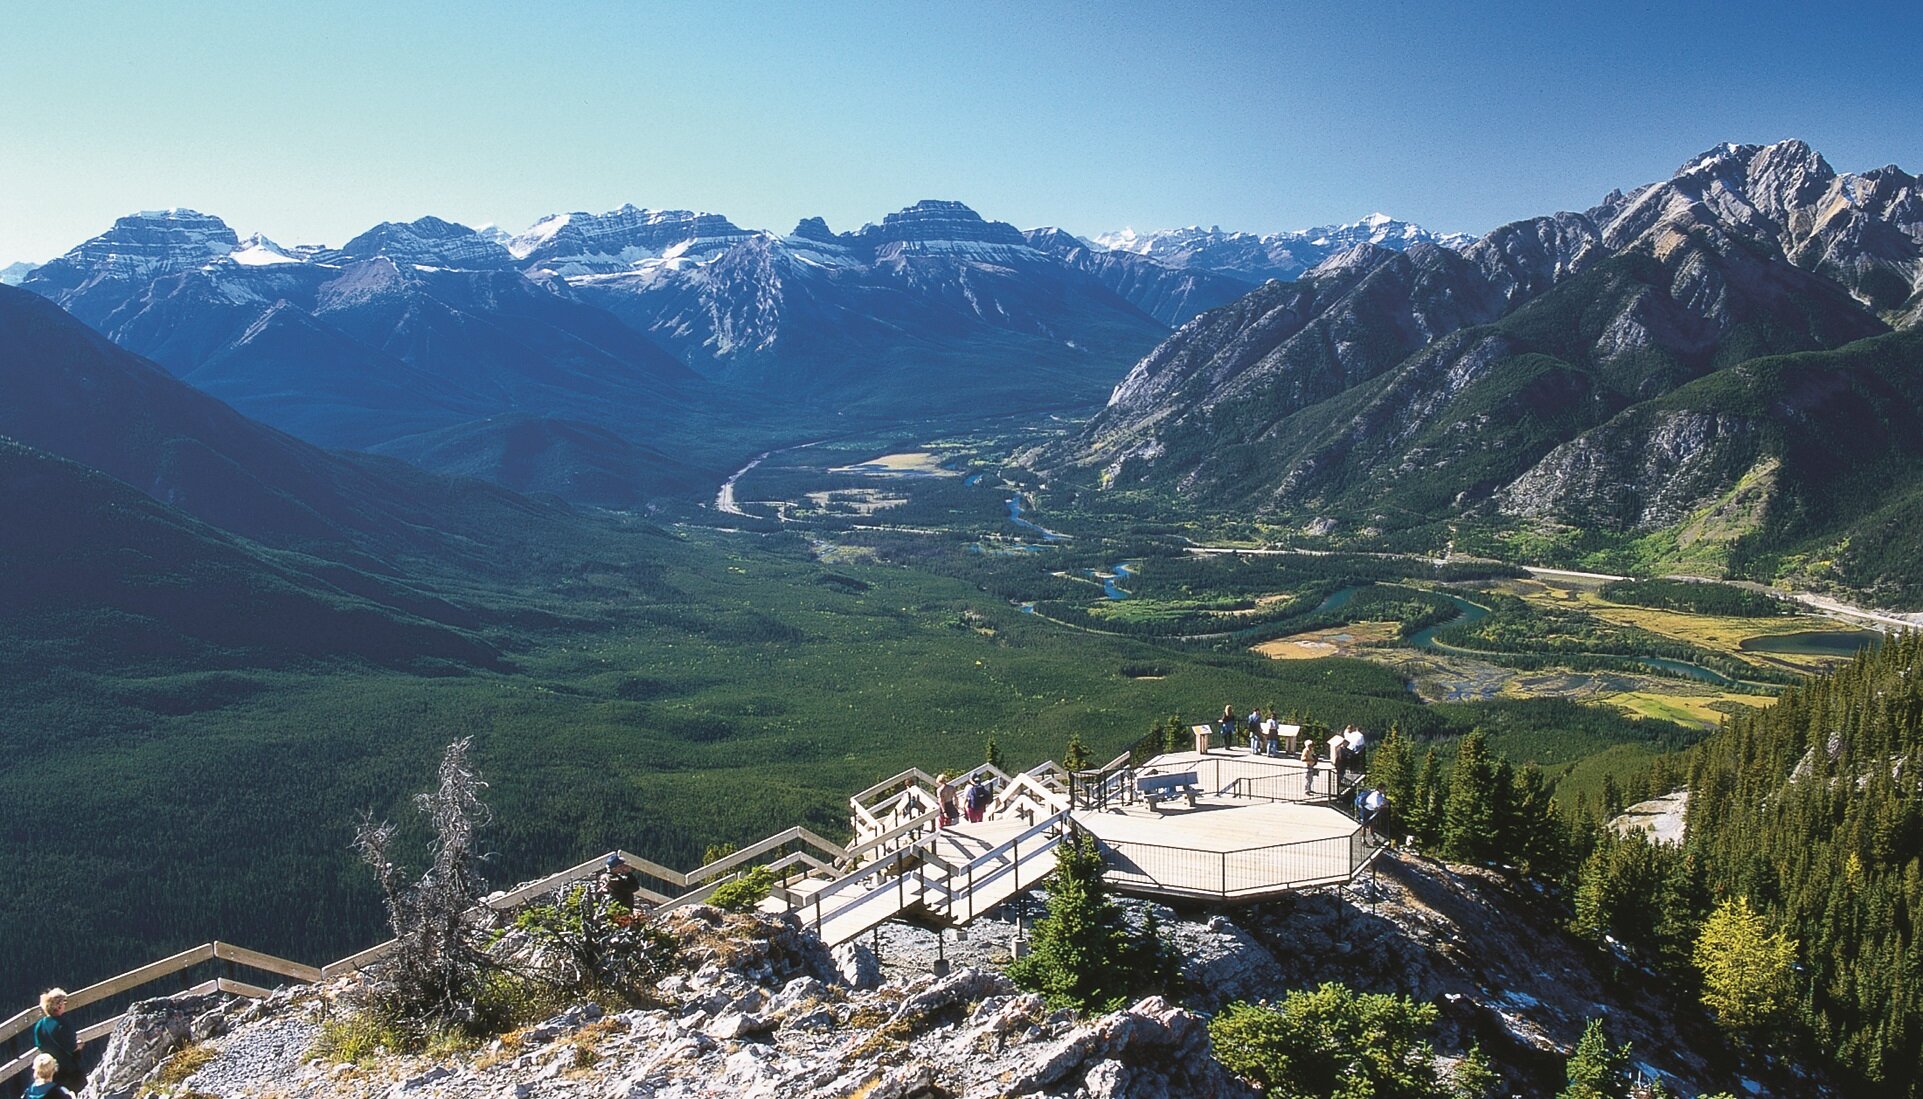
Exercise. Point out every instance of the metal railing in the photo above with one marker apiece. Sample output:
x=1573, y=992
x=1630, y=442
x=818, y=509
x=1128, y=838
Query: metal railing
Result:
x=1232, y=875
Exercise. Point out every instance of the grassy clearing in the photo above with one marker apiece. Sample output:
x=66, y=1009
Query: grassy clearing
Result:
x=1701, y=711
x=1716, y=633
x=1347, y=640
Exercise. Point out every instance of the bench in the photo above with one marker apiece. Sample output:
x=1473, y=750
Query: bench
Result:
x=1156, y=789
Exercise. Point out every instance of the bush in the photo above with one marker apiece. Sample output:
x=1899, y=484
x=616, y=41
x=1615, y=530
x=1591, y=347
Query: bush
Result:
x=1334, y=1041
x=745, y=892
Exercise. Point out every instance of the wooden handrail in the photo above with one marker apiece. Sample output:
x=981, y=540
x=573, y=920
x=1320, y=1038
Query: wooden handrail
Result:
x=266, y=963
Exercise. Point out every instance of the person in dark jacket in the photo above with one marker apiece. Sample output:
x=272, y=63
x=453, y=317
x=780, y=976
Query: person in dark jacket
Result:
x=55, y=1037
x=620, y=882
x=43, y=1087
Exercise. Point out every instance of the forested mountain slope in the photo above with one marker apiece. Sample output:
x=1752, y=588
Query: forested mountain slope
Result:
x=1813, y=810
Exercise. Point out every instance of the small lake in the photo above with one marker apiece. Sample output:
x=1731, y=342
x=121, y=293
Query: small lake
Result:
x=1813, y=643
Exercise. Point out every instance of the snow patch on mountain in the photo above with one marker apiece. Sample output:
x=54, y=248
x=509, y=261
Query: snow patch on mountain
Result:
x=1258, y=257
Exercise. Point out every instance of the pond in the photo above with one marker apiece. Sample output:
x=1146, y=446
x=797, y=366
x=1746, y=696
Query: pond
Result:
x=1813, y=643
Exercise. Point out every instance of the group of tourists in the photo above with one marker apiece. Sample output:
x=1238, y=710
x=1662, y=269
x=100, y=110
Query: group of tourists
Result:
x=56, y=1071
x=1263, y=731
x=960, y=802
x=1265, y=736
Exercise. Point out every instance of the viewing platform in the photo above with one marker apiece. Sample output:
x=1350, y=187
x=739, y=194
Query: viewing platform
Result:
x=1218, y=824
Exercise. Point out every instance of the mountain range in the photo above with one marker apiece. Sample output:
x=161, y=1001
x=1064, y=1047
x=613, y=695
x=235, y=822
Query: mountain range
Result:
x=1573, y=375
x=616, y=358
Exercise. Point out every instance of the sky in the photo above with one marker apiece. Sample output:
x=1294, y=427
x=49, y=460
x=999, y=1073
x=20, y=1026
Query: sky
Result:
x=311, y=122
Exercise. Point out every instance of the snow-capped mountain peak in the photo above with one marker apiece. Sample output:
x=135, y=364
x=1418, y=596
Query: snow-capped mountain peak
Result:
x=1256, y=258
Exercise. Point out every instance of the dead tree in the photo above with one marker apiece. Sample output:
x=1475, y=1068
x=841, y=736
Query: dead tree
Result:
x=439, y=961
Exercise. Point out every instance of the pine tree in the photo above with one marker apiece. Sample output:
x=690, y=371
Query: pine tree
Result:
x=1425, y=802
x=1392, y=768
x=1083, y=954
x=1597, y=1070
x=994, y=754
x=1470, y=812
x=1535, y=835
x=1075, y=755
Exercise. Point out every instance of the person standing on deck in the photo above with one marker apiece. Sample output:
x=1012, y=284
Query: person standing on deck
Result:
x=55, y=1037
x=1353, y=752
x=950, y=806
x=1228, y=725
x=1255, y=729
x=1308, y=768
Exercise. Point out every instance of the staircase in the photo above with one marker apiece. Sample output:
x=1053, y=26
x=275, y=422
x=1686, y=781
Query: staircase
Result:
x=906, y=868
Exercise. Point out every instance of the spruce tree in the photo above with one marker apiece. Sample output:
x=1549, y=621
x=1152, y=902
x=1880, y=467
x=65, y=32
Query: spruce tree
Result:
x=1083, y=954
x=1425, y=802
x=1597, y=1070
x=994, y=754
x=1746, y=968
x=1469, y=815
x=1075, y=755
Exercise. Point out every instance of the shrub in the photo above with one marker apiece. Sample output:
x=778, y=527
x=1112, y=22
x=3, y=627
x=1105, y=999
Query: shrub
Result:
x=1335, y=1041
x=745, y=892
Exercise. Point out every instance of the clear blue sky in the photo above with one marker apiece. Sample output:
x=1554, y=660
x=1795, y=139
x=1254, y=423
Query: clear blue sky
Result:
x=312, y=121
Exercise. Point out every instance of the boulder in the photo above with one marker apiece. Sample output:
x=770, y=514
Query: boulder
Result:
x=147, y=1033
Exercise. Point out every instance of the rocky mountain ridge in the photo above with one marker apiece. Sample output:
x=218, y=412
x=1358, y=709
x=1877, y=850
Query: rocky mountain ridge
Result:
x=1259, y=257
x=1386, y=389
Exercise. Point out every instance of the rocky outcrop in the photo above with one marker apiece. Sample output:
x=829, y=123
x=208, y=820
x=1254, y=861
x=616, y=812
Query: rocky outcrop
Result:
x=1637, y=473
x=148, y=1033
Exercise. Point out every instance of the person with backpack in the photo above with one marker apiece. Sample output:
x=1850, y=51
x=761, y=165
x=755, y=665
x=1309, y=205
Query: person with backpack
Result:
x=43, y=1087
x=975, y=801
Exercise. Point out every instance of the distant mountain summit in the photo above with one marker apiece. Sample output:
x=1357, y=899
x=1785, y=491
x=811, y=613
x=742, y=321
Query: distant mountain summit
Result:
x=1258, y=258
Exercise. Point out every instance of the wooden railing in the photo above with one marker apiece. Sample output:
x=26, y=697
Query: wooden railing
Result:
x=881, y=828
x=235, y=957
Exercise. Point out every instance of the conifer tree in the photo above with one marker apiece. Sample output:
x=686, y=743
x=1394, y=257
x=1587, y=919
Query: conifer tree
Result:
x=1746, y=967
x=1075, y=755
x=1597, y=1070
x=1392, y=768
x=994, y=754
x=1536, y=837
x=1425, y=802
x=1083, y=954
x=1470, y=812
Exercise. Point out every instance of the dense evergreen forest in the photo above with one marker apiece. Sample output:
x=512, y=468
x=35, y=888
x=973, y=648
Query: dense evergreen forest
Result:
x=1813, y=810
x=1791, y=906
